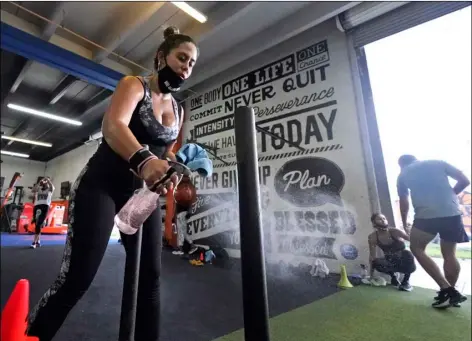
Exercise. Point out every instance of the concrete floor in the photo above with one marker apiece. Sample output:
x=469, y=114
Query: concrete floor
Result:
x=421, y=279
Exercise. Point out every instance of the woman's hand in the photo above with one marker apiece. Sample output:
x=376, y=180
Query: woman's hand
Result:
x=154, y=170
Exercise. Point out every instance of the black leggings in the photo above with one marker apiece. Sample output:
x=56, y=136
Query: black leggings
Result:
x=40, y=213
x=404, y=262
x=91, y=213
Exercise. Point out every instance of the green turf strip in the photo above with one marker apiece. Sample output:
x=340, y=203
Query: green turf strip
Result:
x=371, y=314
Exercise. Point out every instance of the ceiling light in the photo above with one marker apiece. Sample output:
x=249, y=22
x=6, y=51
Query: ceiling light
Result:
x=43, y=114
x=14, y=154
x=37, y=143
x=190, y=11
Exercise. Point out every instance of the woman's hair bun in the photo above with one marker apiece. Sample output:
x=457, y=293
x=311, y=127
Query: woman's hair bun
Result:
x=169, y=31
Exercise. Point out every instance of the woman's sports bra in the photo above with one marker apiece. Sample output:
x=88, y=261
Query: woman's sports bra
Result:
x=147, y=130
x=395, y=246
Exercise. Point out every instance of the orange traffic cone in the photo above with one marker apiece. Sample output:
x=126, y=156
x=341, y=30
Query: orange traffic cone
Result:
x=15, y=313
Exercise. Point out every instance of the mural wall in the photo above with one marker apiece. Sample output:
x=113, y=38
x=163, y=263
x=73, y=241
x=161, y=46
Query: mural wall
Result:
x=315, y=202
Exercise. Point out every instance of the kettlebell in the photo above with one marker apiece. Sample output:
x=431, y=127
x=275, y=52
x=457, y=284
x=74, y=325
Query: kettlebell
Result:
x=185, y=194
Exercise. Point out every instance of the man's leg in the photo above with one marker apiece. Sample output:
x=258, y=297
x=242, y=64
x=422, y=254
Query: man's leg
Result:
x=451, y=265
x=418, y=242
x=419, y=239
x=452, y=232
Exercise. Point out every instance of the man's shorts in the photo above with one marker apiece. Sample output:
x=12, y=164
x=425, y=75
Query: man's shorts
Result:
x=450, y=229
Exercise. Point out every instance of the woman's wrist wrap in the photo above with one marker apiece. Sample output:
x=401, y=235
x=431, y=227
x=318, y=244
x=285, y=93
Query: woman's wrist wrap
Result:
x=140, y=159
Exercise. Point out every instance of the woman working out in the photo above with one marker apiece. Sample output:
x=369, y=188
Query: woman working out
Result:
x=142, y=112
x=42, y=200
x=396, y=258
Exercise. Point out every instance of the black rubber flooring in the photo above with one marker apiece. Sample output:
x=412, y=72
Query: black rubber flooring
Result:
x=198, y=303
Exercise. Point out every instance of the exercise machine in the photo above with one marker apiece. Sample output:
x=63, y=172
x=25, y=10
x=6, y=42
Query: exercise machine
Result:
x=9, y=211
x=56, y=219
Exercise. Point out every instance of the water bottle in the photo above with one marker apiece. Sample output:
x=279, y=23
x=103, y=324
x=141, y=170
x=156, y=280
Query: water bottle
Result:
x=135, y=212
x=364, y=272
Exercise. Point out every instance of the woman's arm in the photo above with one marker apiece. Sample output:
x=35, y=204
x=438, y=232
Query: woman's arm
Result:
x=372, y=252
x=115, y=129
x=372, y=248
x=170, y=154
x=51, y=185
x=35, y=188
x=399, y=234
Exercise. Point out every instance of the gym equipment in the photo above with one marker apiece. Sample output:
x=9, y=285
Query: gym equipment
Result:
x=65, y=189
x=255, y=305
x=17, y=176
x=9, y=211
x=55, y=223
x=344, y=281
x=185, y=194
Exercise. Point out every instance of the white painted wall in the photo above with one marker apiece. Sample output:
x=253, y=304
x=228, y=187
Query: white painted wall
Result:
x=30, y=169
x=314, y=226
x=68, y=166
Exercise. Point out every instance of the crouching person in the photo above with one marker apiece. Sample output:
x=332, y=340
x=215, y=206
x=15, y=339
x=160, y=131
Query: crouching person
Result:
x=396, y=258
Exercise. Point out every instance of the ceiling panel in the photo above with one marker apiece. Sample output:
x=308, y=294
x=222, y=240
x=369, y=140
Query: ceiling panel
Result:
x=138, y=42
x=43, y=77
x=8, y=124
x=44, y=9
x=143, y=43
x=99, y=21
x=82, y=91
x=89, y=18
x=252, y=24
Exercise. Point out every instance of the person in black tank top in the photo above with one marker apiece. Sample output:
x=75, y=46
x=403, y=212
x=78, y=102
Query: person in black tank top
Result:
x=396, y=257
x=142, y=113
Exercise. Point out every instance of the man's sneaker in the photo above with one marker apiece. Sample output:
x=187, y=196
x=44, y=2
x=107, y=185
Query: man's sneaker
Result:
x=455, y=305
x=395, y=281
x=33, y=245
x=405, y=287
x=448, y=297
x=38, y=244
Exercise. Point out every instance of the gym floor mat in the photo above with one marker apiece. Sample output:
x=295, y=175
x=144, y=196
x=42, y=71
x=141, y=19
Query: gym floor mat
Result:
x=371, y=314
x=25, y=240
x=198, y=303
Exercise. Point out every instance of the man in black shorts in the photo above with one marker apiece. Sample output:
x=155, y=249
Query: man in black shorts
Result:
x=437, y=211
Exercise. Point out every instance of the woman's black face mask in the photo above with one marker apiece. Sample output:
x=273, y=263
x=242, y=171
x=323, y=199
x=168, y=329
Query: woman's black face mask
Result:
x=168, y=80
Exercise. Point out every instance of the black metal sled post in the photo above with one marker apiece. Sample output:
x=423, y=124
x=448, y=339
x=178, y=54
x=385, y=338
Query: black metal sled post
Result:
x=255, y=305
x=129, y=301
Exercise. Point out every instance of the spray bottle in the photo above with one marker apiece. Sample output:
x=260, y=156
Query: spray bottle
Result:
x=144, y=201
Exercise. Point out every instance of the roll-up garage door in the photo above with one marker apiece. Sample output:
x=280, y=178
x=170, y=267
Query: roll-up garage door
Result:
x=370, y=22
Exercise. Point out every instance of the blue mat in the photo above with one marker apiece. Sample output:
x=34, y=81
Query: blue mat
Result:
x=22, y=240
